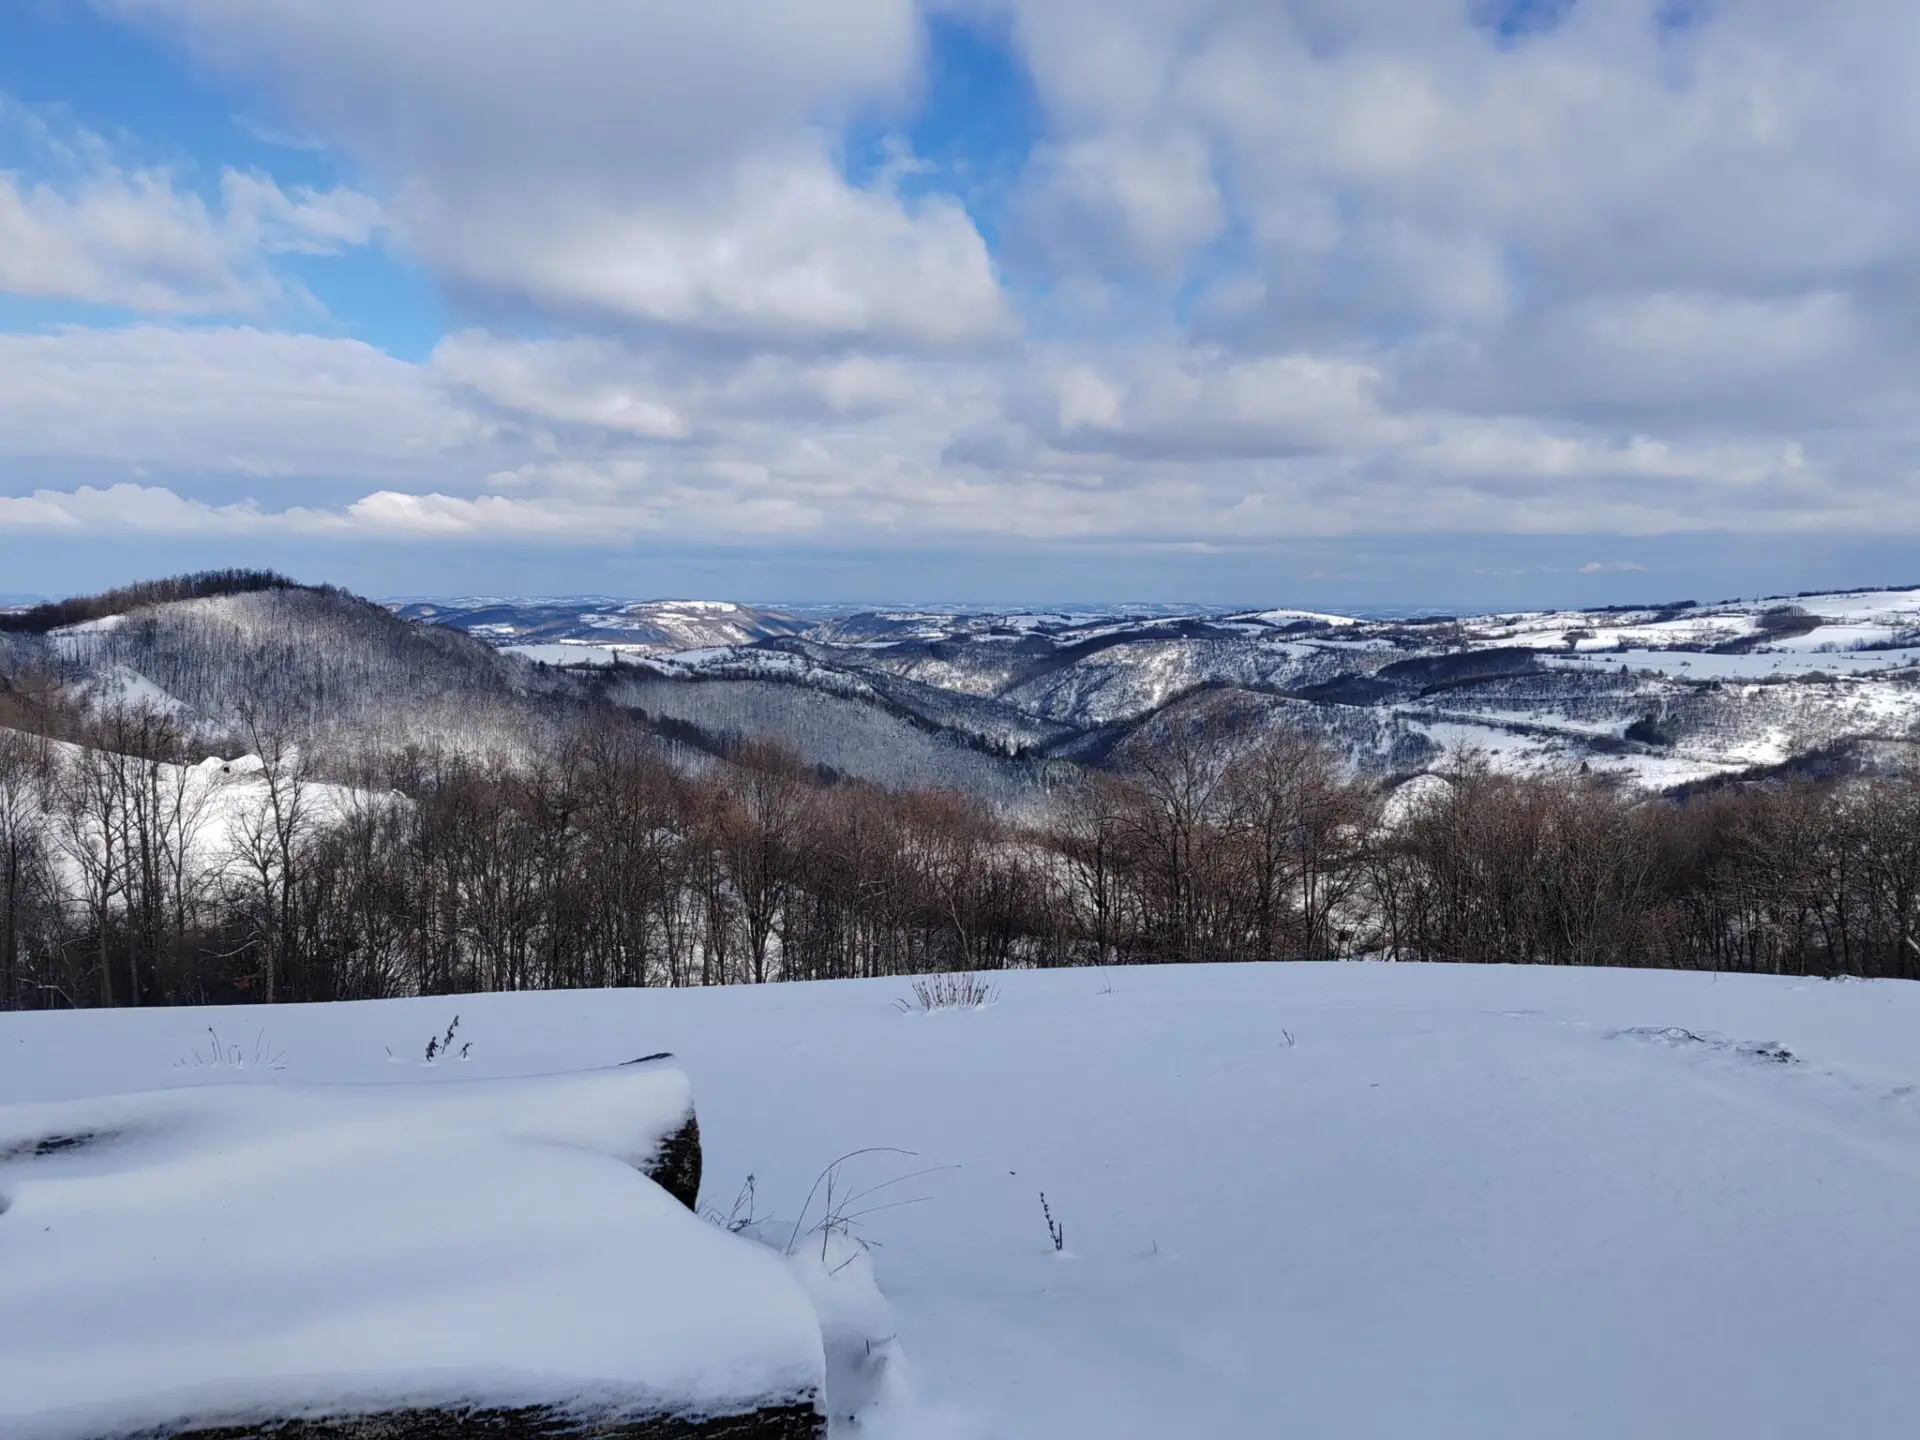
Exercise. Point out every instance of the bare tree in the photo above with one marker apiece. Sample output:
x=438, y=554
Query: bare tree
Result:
x=270, y=838
x=25, y=880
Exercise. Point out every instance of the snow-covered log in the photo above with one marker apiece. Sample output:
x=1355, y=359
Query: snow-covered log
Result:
x=513, y=1259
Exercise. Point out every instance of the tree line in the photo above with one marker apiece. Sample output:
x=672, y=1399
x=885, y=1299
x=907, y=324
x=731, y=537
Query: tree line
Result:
x=129, y=877
x=39, y=619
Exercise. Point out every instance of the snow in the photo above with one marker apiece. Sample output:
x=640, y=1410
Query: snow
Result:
x=1411, y=797
x=90, y=627
x=1829, y=638
x=1861, y=604
x=120, y=687
x=1288, y=617
x=1359, y=647
x=1539, y=751
x=1355, y=1200
x=1081, y=670
x=244, y=1248
x=571, y=652
x=1602, y=630
x=638, y=627
x=741, y=663
x=1754, y=665
x=222, y=812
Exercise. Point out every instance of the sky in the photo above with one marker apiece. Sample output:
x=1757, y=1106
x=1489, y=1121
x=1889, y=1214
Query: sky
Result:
x=1443, y=303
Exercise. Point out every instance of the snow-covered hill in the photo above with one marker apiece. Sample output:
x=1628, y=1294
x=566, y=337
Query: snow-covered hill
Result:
x=589, y=631
x=1363, y=1201
x=338, y=670
x=1665, y=695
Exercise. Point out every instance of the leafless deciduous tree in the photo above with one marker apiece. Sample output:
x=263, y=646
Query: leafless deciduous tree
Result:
x=599, y=860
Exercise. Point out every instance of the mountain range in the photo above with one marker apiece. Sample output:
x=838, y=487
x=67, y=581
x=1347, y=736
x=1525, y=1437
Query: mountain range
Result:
x=1665, y=696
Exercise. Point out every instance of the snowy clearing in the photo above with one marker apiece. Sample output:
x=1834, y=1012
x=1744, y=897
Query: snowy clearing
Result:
x=1752, y=665
x=1339, y=1200
x=571, y=652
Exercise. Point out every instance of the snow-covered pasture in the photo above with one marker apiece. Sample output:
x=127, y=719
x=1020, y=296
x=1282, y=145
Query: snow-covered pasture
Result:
x=1315, y=1200
x=1748, y=665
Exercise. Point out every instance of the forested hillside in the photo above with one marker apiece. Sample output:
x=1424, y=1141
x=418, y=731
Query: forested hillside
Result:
x=245, y=790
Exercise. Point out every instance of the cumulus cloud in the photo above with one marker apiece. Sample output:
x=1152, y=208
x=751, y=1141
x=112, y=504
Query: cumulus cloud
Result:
x=598, y=442
x=780, y=247
x=578, y=382
x=1277, y=267
x=1120, y=201
x=232, y=401
x=1199, y=404
x=465, y=94
x=91, y=229
x=150, y=510
x=621, y=165
x=1703, y=201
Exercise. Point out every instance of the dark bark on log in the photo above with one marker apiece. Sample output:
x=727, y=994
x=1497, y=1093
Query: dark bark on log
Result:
x=676, y=1165
x=802, y=1420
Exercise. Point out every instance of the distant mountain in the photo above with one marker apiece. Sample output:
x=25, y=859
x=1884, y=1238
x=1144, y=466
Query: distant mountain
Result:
x=603, y=628
x=212, y=651
x=1665, y=695
x=1000, y=704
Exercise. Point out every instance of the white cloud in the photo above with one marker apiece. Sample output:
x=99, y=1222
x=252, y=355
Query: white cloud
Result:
x=1123, y=200
x=1286, y=267
x=149, y=510
x=467, y=94
x=1194, y=405
x=88, y=228
x=571, y=382
x=615, y=165
x=121, y=239
x=232, y=401
x=1398, y=173
x=305, y=221
x=556, y=441
x=779, y=248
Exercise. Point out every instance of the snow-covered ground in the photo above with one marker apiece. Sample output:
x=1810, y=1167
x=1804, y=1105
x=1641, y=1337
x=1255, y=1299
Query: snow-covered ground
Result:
x=1533, y=690
x=486, y=1243
x=573, y=652
x=1544, y=747
x=1752, y=665
x=635, y=626
x=1355, y=1201
x=217, y=812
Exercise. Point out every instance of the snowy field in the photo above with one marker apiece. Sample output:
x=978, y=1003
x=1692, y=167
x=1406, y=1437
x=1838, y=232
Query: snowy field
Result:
x=570, y=652
x=1754, y=665
x=1327, y=1201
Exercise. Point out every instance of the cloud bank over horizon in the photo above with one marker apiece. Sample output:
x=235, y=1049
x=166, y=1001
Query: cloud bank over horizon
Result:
x=545, y=286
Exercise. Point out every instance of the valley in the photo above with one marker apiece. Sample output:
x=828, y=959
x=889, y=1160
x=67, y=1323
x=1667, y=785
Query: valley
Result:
x=1661, y=696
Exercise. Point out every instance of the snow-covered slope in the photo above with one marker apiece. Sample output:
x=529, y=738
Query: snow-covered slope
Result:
x=1362, y=1201
x=216, y=814
x=319, y=663
x=849, y=733
x=548, y=629
x=1664, y=695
